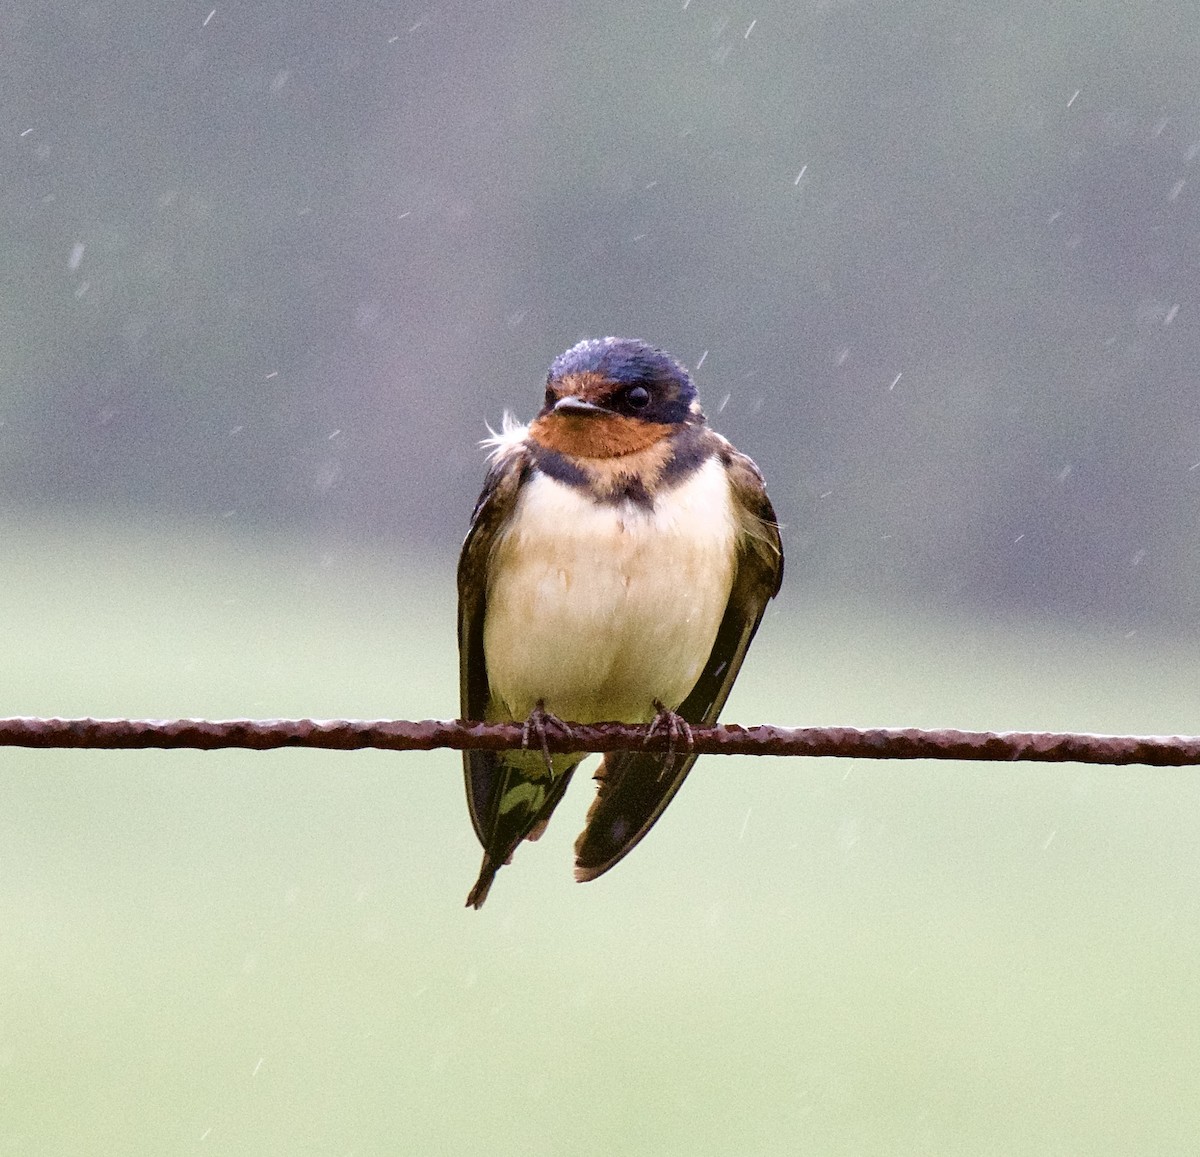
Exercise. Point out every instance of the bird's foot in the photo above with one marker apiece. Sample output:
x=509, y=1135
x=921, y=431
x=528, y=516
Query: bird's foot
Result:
x=535, y=728
x=676, y=728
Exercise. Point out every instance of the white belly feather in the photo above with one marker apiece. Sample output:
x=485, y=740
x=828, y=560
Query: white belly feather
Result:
x=600, y=609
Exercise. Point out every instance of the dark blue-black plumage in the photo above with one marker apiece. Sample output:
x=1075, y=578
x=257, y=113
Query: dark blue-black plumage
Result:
x=629, y=362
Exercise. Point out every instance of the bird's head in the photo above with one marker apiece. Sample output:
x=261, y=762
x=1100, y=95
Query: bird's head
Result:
x=607, y=397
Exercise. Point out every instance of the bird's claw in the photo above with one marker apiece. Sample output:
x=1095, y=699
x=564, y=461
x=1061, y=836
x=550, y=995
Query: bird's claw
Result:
x=535, y=726
x=675, y=726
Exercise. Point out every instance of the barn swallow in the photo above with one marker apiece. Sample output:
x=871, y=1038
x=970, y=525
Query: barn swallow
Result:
x=618, y=563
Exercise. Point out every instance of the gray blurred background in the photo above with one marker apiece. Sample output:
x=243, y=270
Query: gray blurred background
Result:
x=268, y=271
x=939, y=262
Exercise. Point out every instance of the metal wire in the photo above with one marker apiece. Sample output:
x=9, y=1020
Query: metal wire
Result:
x=729, y=739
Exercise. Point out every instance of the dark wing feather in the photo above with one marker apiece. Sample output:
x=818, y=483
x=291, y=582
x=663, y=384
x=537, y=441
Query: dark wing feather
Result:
x=506, y=804
x=492, y=511
x=509, y=830
x=633, y=792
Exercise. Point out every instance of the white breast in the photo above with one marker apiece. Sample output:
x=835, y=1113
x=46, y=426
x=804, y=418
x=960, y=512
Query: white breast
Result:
x=601, y=609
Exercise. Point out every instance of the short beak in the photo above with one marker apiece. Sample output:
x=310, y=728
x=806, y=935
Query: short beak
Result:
x=577, y=407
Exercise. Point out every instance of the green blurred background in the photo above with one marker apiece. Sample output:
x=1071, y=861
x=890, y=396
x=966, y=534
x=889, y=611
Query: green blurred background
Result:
x=269, y=269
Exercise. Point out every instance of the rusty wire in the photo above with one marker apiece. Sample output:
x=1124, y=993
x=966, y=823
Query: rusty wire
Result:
x=730, y=739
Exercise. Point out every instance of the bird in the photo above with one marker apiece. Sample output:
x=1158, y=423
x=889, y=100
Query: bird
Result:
x=618, y=563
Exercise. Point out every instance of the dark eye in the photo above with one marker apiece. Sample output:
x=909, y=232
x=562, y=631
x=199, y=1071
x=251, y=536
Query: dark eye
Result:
x=637, y=397
x=551, y=397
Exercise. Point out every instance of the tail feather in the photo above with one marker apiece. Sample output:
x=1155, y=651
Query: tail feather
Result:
x=634, y=789
x=530, y=802
x=483, y=885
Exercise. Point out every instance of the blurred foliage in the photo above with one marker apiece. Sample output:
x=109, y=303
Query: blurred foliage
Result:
x=239, y=952
x=280, y=264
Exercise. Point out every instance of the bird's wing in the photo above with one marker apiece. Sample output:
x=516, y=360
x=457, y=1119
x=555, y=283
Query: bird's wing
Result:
x=492, y=513
x=633, y=789
x=508, y=792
